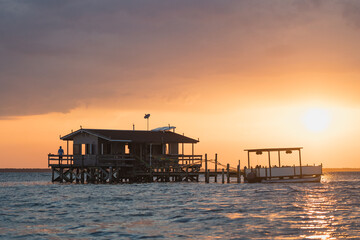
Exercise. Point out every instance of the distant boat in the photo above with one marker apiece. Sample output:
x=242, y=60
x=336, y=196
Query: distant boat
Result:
x=281, y=174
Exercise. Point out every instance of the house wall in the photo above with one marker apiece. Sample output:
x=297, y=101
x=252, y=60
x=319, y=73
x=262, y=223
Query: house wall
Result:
x=173, y=148
x=117, y=148
x=85, y=138
x=91, y=149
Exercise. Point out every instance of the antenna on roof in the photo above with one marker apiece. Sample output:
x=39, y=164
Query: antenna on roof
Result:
x=133, y=127
x=80, y=127
x=147, y=116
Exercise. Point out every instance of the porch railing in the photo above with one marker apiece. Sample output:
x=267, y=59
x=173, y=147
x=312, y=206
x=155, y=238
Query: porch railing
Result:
x=83, y=160
x=54, y=159
x=179, y=159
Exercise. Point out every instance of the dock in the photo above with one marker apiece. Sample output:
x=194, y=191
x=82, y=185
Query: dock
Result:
x=129, y=156
x=122, y=170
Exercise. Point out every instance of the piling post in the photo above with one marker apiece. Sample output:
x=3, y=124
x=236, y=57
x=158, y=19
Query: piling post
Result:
x=52, y=174
x=151, y=174
x=82, y=176
x=206, y=169
x=215, y=167
x=110, y=174
x=228, y=173
x=71, y=174
x=77, y=175
x=238, y=174
x=61, y=174
x=222, y=176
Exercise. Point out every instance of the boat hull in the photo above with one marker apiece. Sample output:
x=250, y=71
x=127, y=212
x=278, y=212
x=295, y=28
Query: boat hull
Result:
x=293, y=180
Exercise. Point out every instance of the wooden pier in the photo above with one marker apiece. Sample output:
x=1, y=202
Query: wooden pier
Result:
x=125, y=156
x=121, y=169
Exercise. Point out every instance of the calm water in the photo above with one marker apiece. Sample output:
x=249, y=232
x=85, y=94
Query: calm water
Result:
x=34, y=208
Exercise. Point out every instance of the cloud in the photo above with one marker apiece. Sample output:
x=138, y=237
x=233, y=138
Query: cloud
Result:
x=58, y=55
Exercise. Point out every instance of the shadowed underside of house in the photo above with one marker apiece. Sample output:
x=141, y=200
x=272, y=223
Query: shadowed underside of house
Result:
x=100, y=155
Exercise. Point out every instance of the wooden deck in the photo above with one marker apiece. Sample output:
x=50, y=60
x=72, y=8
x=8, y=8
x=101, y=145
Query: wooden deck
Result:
x=124, y=168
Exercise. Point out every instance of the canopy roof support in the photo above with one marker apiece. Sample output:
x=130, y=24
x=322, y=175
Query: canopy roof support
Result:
x=287, y=150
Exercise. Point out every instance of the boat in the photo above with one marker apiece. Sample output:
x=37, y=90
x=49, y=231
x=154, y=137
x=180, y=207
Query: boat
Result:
x=278, y=173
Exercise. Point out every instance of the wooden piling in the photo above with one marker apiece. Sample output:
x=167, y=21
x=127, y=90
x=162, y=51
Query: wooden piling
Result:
x=61, y=174
x=110, y=175
x=228, y=173
x=238, y=174
x=206, y=170
x=215, y=167
x=82, y=179
x=222, y=176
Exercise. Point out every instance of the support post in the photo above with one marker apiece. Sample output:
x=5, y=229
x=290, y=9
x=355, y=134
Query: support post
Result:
x=52, y=174
x=248, y=159
x=228, y=173
x=110, y=174
x=269, y=163
x=61, y=174
x=77, y=175
x=182, y=146
x=150, y=155
x=215, y=168
x=206, y=169
x=192, y=151
x=238, y=173
x=222, y=176
x=300, y=163
x=279, y=158
x=82, y=180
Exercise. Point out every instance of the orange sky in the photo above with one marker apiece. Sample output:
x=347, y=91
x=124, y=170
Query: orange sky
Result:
x=236, y=74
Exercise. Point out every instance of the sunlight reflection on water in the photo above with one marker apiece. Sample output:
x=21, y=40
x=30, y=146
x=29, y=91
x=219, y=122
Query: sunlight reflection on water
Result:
x=38, y=209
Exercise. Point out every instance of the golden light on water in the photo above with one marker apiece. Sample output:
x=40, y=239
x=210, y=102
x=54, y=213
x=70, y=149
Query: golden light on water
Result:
x=318, y=219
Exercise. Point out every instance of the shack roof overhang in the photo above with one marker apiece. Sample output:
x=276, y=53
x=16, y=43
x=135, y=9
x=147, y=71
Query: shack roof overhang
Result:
x=273, y=149
x=133, y=136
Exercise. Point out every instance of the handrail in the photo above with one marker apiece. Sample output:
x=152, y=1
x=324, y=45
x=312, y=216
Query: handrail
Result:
x=179, y=159
x=60, y=159
x=54, y=159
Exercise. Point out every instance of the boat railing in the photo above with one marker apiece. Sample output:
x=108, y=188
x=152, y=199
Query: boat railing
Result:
x=288, y=171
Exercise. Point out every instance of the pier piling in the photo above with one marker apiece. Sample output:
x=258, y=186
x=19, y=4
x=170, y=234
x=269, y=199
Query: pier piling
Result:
x=228, y=173
x=222, y=176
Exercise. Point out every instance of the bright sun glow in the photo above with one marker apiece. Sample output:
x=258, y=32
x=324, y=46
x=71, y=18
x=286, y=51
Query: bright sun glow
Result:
x=316, y=119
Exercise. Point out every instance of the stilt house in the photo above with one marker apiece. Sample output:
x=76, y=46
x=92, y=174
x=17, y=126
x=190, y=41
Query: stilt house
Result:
x=134, y=154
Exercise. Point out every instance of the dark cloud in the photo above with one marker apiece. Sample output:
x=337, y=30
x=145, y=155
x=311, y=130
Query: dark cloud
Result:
x=351, y=12
x=57, y=55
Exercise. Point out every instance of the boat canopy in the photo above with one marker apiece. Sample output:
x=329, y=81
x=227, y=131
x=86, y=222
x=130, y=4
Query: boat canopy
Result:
x=274, y=149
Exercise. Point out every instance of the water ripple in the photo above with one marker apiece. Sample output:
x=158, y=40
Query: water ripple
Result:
x=33, y=208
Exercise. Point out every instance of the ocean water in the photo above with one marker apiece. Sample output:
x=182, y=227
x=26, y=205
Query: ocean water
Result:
x=31, y=207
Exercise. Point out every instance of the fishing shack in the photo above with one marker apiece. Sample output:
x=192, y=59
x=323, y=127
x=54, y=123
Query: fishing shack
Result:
x=102, y=155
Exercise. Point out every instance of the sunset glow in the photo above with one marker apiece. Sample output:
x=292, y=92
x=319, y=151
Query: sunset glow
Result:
x=235, y=74
x=317, y=120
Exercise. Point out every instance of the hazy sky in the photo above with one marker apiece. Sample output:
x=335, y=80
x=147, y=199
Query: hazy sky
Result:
x=236, y=74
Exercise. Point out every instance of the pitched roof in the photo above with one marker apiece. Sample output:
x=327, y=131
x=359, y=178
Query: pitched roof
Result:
x=134, y=136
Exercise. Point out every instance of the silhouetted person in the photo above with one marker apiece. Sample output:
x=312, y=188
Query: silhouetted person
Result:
x=60, y=153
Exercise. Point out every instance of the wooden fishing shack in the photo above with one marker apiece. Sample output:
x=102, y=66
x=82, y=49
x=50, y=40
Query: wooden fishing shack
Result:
x=101, y=155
